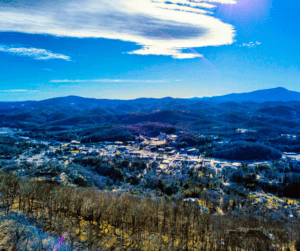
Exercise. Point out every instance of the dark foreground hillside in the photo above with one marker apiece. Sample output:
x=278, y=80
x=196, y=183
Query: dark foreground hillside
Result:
x=99, y=220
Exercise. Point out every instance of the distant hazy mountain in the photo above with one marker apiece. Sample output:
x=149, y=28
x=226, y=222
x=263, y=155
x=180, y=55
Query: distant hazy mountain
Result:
x=274, y=94
x=279, y=94
x=255, y=110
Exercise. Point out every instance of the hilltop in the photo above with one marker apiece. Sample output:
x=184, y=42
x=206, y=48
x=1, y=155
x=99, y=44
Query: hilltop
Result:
x=278, y=94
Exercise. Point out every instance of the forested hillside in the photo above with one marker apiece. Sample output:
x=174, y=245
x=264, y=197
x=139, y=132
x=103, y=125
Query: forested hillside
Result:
x=98, y=220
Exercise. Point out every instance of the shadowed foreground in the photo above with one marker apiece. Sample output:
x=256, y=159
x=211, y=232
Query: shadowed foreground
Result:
x=96, y=220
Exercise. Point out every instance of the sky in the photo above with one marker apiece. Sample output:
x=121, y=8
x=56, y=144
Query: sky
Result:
x=127, y=49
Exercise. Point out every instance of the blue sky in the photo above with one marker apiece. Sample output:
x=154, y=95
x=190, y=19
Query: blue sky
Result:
x=125, y=49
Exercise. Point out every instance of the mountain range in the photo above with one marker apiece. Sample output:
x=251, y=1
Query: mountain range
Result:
x=274, y=94
x=267, y=109
x=279, y=94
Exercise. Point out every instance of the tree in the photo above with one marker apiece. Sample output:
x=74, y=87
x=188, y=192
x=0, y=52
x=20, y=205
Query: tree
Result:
x=16, y=234
x=297, y=245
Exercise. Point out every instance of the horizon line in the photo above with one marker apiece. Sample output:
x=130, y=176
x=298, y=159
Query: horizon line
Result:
x=194, y=97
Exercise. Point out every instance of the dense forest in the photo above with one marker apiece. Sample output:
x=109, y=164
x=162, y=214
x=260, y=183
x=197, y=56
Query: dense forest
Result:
x=241, y=150
x=99, y=220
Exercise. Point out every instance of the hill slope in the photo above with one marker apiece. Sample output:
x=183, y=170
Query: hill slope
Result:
x=275, y=94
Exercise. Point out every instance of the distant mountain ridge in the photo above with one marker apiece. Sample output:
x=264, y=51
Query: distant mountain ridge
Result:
x=278, y=94
x=254, y=110
x=275, y=94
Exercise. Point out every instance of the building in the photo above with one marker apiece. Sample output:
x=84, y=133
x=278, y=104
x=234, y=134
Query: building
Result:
x=287, y=155
x=244, y=130
x=166, y=162
x=75, y=142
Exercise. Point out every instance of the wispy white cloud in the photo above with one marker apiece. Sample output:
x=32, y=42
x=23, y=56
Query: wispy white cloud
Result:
x=18, y=90
x=191, y=3
x=216, y=1
x=106, y=81
x=35, y=53
x=249, y=45
x=187, y=23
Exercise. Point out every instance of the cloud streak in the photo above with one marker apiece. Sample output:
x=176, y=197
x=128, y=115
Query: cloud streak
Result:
x=35, y=53
x=249, y=45
x=106, y=81
x=17, y=90
x=188, y=23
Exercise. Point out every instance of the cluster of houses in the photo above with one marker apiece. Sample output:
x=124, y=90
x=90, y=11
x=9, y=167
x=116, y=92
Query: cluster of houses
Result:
x=293, y=157
x=241, y=130
x=163, y=150
x=9, y=131
x=289, y=136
